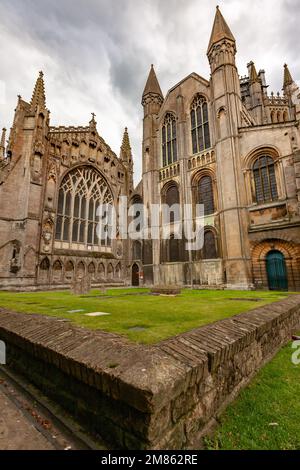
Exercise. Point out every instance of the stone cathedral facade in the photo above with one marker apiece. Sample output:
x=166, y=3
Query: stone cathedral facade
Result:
x=224, y=142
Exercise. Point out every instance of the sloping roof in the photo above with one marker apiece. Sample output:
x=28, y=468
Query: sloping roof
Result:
x=152, y=85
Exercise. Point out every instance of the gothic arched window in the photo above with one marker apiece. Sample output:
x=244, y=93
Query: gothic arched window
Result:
x=81, y=193
x=136, y=250
x=170, y=197
x=174, y=249
x=209, y=248
x=200, y=124
x=265, y=180
x=169, y=140
x=205, y=194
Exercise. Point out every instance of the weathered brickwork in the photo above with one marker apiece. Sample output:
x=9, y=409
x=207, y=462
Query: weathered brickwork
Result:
x=147, y=397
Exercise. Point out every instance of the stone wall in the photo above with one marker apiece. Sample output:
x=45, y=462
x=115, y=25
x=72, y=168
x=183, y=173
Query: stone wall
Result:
x=147, y=397
x=205, y=273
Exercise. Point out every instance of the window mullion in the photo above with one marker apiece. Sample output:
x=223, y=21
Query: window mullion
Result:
x=63, y=218
x=79, y=219
x=87, y=221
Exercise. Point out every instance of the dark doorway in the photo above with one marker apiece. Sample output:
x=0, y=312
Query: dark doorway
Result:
x=135, y=275
x=276, y=270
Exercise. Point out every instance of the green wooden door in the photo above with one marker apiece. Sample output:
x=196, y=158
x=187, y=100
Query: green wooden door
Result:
x=276, y=269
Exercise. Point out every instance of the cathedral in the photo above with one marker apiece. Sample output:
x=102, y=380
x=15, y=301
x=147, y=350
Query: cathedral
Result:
x=224, y=142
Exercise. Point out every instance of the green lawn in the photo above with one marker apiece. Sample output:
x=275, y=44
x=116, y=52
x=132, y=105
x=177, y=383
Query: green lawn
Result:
x=266, y=416
x=152, y=318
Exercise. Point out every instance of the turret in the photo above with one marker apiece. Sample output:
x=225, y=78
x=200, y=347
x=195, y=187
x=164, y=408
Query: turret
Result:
x=226, y=107
x=224, y=75
x=152, y=96
x=222, y=47
x=152, y=102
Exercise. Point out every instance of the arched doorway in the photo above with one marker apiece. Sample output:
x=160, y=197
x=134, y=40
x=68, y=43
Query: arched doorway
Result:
x=135, y=275
x=276, y=270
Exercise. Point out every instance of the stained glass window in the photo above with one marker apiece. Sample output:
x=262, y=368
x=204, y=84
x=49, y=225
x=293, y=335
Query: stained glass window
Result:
x=81, y=193
x=265, y=180
x=169, y=140
x=200, y=125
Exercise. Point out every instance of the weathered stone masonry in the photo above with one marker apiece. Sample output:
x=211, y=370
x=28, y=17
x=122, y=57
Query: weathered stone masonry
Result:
x=149, y=397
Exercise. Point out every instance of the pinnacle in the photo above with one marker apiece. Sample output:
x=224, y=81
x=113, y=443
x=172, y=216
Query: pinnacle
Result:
x=2, y=144
x=38, y=96
x=152, y=85
x=220, y=30
x=126, y=141
x=287, y=80
x=253, y=73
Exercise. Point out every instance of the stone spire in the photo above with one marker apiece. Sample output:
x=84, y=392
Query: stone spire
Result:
x=38, y=98
x=290, y=88
x=287, y=79
x=2, y=144
x=152, y=87
x=126, y=154
x=220, y=30
x=252, y=73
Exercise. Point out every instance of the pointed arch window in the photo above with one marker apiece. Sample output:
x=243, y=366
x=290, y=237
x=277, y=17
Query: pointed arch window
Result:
x=170, y=196
x=169, y=140
x=200, y=124
x=81, y=192
x=173, y=254
x=265, y=180
x=210, y=247
x=204, y=193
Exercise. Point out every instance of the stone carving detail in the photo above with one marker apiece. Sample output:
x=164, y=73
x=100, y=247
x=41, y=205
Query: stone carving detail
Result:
x=39, y=147
x=47, y=235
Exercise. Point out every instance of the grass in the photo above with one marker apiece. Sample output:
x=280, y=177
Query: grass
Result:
x=135, y=314
x=266, y=416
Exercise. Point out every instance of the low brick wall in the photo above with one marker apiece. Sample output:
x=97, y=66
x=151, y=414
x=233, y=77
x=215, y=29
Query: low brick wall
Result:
x=147, y=397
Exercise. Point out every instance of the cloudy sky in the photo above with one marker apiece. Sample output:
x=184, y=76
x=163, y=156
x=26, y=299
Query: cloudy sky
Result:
x=96, y=54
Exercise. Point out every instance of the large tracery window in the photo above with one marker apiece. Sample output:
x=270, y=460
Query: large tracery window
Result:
x=200, y=124
x=169, y=140
x=265, y=180
x=81, y=193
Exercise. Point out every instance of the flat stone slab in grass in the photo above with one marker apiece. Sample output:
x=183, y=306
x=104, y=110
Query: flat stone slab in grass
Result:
x=137, y=328
x=76, y=311
x=97, y=314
